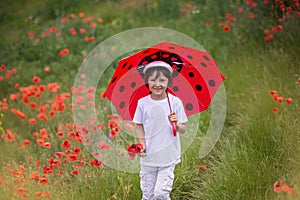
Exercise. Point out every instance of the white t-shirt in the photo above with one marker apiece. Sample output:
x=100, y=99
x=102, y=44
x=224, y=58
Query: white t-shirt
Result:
x=162, y=147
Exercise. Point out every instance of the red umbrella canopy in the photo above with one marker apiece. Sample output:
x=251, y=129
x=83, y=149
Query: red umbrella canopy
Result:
x=196, y=78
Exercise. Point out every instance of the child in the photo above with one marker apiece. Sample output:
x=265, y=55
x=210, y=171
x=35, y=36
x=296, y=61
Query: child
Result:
x=161, y=149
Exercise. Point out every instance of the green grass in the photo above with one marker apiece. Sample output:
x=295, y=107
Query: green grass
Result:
x=256, y=147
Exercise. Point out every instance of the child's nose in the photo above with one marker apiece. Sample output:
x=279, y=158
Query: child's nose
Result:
x=156, y=82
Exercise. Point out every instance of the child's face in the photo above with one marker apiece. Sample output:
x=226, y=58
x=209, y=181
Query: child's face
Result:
x=158, y=84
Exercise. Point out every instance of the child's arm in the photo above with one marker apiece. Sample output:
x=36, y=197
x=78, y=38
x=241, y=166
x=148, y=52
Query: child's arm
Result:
x=140, y=134
x=181, y=127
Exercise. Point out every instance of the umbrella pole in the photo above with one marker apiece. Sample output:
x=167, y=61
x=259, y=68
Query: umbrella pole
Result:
x=173, y=123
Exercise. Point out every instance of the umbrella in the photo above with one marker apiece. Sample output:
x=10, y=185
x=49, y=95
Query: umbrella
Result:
x=196, y=78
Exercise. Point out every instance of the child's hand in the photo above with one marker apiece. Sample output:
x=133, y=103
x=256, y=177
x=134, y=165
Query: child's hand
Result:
x=143, y=151
x=173, y=117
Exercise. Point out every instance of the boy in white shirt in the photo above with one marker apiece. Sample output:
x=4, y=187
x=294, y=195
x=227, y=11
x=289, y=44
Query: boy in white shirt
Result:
x=161, y=149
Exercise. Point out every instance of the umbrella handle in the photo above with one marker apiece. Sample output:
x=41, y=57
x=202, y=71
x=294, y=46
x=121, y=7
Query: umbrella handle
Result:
x=174, y=128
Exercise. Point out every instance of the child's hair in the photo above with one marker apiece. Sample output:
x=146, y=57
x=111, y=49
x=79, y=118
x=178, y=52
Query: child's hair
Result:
x=160, y=70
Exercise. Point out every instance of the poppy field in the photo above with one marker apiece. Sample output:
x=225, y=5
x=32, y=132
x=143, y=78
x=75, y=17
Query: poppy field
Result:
x=42, y=155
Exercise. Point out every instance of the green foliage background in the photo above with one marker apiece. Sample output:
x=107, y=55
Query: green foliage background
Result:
x=256, y=148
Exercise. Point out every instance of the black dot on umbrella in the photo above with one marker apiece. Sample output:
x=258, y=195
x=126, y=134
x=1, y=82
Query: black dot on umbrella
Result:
x=114, y=79
x=175, y=89
x=190, y=57
x=206, y=58
x=133, y=84
x=191, y=74
x=122, y=105
x=124, y=65
x=129, y=67
x=189, y=106
x=211, y=83
x=198, y=87
x=121, y=88
x=203, y=64
x=171, y=47
x=146, y=51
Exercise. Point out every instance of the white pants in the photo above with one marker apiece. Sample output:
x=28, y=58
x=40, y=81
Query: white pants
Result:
x=156, y=182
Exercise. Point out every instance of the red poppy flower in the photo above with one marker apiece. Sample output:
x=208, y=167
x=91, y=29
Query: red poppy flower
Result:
x=288, y=189
x=33, y=105
x=47, y=195
x=279, y=99
x=35, y=176
x=21, y=190
x=202, y=167
x=100, y=20
x=18, y=113
x=273, y=92
x=47, y=145
x=44, y=180
x=26, y=142
x=2, y=68
x=92, y=38
x=47, y=69
x=54, y=162
x=60, y=134
x=72, y=15
x=48, y=169
x=64, y=51
x=73, y=31
x=80, y=163
x=52, y=113
x=64, y=20
x=36, y=79
x=226, y=28
x=96, y=163
x=76, y=151
x=251, y=15
x=269, y=38
x=22, y=146
x=81, y=14
x=93, y=25
x=275, y=110
x=280, y=186
x=240, y=10
x=32, y=121
x=38, y=195
x=102, y=95
x=289, y=100
x=266, y=31
x=59, y=154
x=31, y=34
x=52, y=29
x=66, y=144
x=75, y=172
x=113, y=133
x=37, y=164
x=12, y=97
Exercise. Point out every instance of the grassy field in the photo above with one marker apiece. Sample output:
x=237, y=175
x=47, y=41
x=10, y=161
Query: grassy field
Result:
x=43, y=45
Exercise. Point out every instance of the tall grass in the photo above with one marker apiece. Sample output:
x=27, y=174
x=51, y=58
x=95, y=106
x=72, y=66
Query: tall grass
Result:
x=256, y=148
